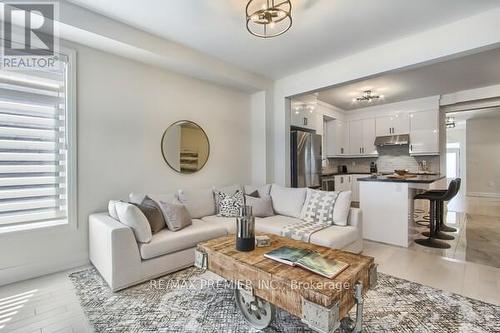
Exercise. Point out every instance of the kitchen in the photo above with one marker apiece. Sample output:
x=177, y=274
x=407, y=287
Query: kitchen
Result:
x=367, y=144
x=375, y=139
x=432, y=120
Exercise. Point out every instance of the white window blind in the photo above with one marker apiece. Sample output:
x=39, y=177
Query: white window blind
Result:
x=33, y=145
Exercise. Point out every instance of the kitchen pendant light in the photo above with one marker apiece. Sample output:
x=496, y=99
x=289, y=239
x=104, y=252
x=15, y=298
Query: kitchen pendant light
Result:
x=367, y=96
x=268, y=18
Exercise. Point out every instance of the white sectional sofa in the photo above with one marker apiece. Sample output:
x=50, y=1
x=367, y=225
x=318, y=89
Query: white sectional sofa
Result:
x=124, y=262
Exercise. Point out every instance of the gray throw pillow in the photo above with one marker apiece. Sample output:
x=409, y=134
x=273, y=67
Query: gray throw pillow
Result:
x=261, y=207
x=254, y=194
x=153, y=213
x=176, y=215
x=229, y=204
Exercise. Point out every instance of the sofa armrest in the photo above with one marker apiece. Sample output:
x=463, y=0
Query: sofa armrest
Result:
x=355, y=219
x=113, y=250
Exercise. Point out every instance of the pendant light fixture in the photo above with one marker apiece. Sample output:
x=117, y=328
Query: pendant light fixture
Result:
x=268, y=18
x=368, y=96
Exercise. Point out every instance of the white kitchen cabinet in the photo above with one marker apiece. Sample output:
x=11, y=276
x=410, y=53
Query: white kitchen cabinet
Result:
x=303, y=118
x=362, y=137
x=398, y=123
x=342, y=182
x=335, y=143
x=355, y=186
x=356, y=137
x=369, y=135
x=424, y=133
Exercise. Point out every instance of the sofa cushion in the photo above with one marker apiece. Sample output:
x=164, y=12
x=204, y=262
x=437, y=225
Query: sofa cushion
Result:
x=229, y=223
x=318, y=206
x=132, y=216
x=335, y=237
x=261, y=207
x=230, y=189
x=228, y=205
x=112, y=209
x=288, y=201
x=166, y=241
x=199, y=203
x=274, y=224
x=263, y=190
x=341, y=208
x=153, y=213
x=176, y=215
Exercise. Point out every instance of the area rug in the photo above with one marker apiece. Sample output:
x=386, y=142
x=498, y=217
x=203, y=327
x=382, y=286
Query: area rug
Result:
x=193, y=300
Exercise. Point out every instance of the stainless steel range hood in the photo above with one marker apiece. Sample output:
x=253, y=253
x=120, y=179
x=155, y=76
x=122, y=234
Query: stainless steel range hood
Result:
x=392, y=140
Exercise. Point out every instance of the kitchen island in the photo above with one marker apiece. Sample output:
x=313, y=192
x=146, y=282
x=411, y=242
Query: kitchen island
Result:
x=387, y=206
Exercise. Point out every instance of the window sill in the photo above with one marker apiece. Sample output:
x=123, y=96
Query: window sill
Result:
x=33, y=226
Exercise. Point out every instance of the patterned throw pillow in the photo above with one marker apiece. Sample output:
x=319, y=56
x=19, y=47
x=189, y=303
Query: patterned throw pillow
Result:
x=229, y=204
x=318, y=206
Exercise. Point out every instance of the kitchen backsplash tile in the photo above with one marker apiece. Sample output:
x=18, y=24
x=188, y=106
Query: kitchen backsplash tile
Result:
x=389, y=159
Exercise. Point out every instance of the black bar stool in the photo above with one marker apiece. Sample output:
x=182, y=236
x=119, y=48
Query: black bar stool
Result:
x=442, y=225
x=436, y=199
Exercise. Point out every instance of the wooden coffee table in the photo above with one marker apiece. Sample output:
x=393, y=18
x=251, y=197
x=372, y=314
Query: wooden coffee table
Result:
x=261, y=283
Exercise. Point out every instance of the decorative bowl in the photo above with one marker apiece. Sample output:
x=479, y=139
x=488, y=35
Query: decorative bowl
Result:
x=401, y=172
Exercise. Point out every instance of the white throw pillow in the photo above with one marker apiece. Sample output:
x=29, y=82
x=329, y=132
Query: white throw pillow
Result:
x=112, y=209
x=199, y=203
x=288, y=201
x=132, y=216
x=318, y=206
x=136, y=198
x=342, y=208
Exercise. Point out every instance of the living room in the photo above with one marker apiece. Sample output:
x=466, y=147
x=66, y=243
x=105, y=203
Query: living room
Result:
x=127, y=80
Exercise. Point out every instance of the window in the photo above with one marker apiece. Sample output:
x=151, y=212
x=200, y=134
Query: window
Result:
x=37, y=157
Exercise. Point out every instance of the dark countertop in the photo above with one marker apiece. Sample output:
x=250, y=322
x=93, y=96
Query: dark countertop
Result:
x=423, y=179
x=326, y=174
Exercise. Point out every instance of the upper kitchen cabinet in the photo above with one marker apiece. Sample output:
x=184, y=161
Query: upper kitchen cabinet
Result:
x=398, y=123
x=303, y=117
x=336, y=138
x=424, y=133
x=362, y=137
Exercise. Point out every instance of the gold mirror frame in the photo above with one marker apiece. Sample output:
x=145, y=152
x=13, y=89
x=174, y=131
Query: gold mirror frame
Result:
x=164, y=153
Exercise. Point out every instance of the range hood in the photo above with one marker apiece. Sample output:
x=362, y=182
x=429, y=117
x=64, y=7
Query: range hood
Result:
x=392, y=140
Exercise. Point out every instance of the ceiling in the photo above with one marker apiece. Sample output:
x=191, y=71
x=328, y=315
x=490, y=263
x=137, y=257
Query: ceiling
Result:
x=469, y=72
x=475, y=114
x=323, y=30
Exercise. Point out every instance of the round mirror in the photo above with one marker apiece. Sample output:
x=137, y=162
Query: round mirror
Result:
x=185, y=146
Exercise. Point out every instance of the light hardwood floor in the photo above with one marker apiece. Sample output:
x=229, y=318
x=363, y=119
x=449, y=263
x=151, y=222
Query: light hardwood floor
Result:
x=48, y=304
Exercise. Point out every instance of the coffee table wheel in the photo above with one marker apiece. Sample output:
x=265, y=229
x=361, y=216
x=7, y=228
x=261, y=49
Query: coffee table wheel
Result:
x=258, y=312
x=346, y=325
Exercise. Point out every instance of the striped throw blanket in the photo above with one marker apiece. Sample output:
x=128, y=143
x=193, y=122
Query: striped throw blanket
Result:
x=303, y=230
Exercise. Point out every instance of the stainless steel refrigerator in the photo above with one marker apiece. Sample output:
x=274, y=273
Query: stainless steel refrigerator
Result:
x=305, y=159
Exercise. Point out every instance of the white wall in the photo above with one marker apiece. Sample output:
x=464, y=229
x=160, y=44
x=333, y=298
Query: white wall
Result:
x=123, y=108
x=483, y=156
x=259, y=138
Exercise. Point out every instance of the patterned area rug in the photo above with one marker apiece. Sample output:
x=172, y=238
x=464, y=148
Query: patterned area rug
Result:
x=196, y=301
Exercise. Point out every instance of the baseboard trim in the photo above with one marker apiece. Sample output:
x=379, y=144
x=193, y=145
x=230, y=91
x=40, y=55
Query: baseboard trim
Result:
x=32, y=270
x=484, y=195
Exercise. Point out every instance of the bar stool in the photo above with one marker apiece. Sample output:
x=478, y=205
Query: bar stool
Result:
x=436, y=199
x=442, y=225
